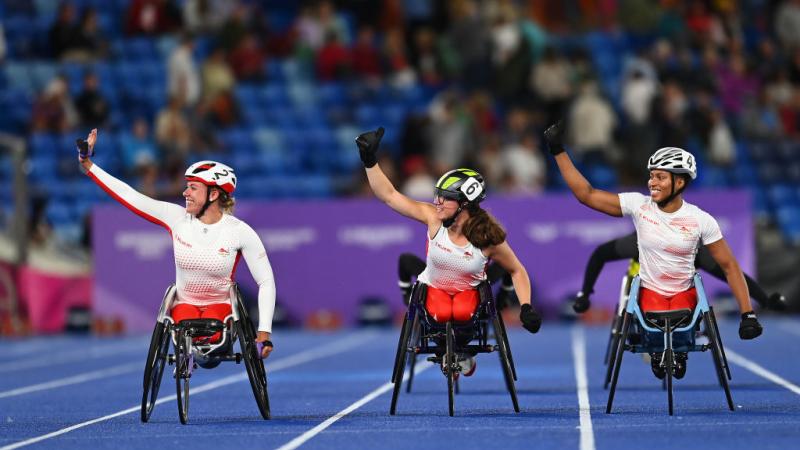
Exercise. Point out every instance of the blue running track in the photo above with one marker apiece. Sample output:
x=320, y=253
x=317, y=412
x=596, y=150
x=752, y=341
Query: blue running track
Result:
x=331, y=391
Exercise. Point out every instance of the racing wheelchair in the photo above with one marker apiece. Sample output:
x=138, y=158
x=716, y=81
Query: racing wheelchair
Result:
x=668, y=332
x=449, y=342
x=191, y=341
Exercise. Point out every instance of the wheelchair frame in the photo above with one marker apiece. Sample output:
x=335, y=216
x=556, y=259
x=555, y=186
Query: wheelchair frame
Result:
x=420, y=334
x=188, y=353
x=633, y=317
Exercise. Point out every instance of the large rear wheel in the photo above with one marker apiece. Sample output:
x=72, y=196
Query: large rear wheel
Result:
x=154, y=368
x=246, y=333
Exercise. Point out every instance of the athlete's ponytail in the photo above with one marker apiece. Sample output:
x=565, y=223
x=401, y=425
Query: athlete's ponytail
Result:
x=481, y=229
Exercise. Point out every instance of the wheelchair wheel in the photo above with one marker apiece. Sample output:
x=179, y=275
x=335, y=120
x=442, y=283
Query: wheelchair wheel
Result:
x=154, y=368
x=400, y=363
x=502, y=332
x=449, y=367
x=252, y=360
x=718, y=355
x=713, y=318
x=505, y=361
x=617, y=361
x=412, y=357
x=611, y=351
x=183, y=372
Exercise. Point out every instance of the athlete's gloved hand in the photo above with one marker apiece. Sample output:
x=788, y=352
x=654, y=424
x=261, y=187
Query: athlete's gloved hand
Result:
x=582, y=303
x=554, y=138
x=86, y=146
x=749, y=328
x=530, y=318
x=368, y=144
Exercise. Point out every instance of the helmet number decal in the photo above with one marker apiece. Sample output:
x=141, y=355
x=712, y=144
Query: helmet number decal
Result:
x=221, y=174
x=471, y=188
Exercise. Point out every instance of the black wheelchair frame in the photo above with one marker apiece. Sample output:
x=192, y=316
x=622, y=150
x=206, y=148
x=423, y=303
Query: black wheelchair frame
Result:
x=636, y=335
x=191, y=350
x=422, y=335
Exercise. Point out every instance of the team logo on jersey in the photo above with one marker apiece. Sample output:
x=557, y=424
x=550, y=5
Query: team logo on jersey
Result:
x=467, y=255
x=223, y=252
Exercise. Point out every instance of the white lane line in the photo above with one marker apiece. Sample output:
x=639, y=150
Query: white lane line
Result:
x=579, y=355
x=760, y=371
x=283, y=363
x=300, y=440
x=51, y=356
x=75, y=379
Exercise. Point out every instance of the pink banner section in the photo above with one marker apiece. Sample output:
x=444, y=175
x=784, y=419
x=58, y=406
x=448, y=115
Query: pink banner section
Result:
x=47, y=297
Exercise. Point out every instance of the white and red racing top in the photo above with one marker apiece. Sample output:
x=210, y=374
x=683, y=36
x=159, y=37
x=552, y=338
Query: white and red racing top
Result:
x=668, y=242
x=206, y=256
x=452, y=268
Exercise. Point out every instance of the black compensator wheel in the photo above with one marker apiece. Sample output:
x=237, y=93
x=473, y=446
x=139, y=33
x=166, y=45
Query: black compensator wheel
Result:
x=154, y=368
x=416, y=330
x=183, y=372
x=252, y=360
x=616, y=363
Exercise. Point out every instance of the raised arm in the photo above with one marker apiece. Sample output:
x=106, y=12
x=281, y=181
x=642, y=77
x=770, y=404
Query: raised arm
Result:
x=368, y=144
x=158, y=212
x=257, y=262
x=597, y=199
x=507, y=259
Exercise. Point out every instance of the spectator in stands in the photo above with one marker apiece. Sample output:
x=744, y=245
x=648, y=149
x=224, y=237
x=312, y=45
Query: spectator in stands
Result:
x=333, y=59
x=592, y=121
x=137, y=149
x=787, y=24
x=218, y=78
x=400, y=74
x=721, y=145
x=173, y=134
x=3, y=48
x=183, y=80
x=248, y=59
x=63, y=29
x=426, y=58
x=551, y=83
x=467, y=41
x=87, y=42
x=91, y=104
x=525, y=166
x=736, y=85
x=419, y=180
x=760, y=118
x=205, y=16
x=235, y=28
x=152, y=17
x=450, y=133
x=54, y=111
x=365, y=55
x=511, y=57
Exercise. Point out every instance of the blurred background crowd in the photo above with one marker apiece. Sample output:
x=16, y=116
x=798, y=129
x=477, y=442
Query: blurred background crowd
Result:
x=279, y=89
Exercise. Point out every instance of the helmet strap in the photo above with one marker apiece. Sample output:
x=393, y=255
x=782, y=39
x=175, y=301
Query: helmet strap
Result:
x=673, y=193
x=447, y=222
x=206, y=204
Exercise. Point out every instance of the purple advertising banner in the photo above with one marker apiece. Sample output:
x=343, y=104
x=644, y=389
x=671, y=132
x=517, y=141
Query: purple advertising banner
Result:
x=330, y=255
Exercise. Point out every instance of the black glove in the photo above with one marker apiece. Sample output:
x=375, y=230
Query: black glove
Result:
x=776, y=302
x=368, y=144
x=554, y=137
x=749, y=328
x=530, y=319
x=582, y=303
x=83, y=148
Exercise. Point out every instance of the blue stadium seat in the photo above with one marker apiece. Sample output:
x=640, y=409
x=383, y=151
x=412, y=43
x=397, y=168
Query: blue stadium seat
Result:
x=43, y=144
x=781, y=195
x=789, y=222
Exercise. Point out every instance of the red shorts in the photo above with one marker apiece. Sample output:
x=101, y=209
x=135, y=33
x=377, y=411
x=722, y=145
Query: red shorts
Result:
x=653, y=301
x=217, y=311
x=444, y=307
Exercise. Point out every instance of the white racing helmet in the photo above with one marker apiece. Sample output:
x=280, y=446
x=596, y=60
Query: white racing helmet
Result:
x=212, y=173
x=673, y=159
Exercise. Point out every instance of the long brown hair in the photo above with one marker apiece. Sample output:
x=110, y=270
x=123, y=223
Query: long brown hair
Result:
x=226, y=202
x=482, y=229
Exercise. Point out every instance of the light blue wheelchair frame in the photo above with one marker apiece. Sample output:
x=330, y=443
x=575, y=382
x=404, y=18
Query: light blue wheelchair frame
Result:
x=645, y=339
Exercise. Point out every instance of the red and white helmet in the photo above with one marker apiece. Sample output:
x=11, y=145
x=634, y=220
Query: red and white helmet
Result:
x=212, y=173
